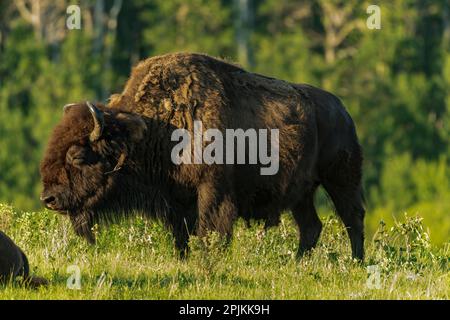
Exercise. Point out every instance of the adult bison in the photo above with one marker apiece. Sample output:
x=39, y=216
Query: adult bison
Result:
x=105, y=161
x=14, y=263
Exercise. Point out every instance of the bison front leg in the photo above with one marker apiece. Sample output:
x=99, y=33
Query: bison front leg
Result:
x=217, y=210
x=182, y=223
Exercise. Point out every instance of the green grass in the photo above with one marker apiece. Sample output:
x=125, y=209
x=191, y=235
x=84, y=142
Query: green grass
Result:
x=137, y=260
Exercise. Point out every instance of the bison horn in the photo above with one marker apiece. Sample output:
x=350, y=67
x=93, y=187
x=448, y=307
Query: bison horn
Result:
x=68, y=106
x=99, y=122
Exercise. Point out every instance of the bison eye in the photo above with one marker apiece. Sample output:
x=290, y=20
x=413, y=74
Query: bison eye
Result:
x=76, y=156
x=77, y=161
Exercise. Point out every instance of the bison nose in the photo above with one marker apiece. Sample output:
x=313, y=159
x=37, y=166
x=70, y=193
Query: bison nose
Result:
x=48, y=200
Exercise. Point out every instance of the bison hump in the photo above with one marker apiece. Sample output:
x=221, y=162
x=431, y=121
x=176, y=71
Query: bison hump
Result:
x=174, y=89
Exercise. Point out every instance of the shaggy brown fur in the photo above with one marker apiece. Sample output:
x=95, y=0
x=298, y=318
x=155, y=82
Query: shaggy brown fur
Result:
x=128, y=169
x=14, y=263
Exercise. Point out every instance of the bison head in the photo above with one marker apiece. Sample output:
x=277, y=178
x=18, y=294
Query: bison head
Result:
x=85, y=159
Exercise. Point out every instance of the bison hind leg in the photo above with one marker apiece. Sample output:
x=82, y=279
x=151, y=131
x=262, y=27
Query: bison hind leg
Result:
x=308, y=222
x=349, y=207
x=343, y=184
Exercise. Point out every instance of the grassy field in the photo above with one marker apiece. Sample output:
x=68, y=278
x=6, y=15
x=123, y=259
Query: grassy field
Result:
x=136, y=260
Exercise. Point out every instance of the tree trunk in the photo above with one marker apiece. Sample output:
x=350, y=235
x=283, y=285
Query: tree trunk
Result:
x=243, y=28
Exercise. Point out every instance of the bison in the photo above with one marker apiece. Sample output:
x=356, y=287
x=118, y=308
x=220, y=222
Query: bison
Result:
x=14, y=263
x=114, y=160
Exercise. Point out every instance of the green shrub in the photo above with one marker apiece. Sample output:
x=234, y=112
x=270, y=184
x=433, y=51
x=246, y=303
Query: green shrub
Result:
x=405, y=246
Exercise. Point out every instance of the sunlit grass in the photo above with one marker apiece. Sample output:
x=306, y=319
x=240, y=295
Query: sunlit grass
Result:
x=137, y=260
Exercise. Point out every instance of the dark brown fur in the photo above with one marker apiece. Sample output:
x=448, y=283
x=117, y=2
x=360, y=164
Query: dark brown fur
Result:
x=318, y=146
x=14, y=263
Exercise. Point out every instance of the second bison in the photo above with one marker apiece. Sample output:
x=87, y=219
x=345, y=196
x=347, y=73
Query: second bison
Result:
x=14, y=263
x=106, y=161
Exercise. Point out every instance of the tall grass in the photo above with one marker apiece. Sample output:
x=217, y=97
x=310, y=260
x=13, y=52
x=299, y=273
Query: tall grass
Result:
x=137, y=260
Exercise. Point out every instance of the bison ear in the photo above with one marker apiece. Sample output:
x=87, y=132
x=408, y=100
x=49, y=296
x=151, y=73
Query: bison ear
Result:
x=135, y=124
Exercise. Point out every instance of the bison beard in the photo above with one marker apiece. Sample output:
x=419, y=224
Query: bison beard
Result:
x=105, y=162
x=82, y=223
